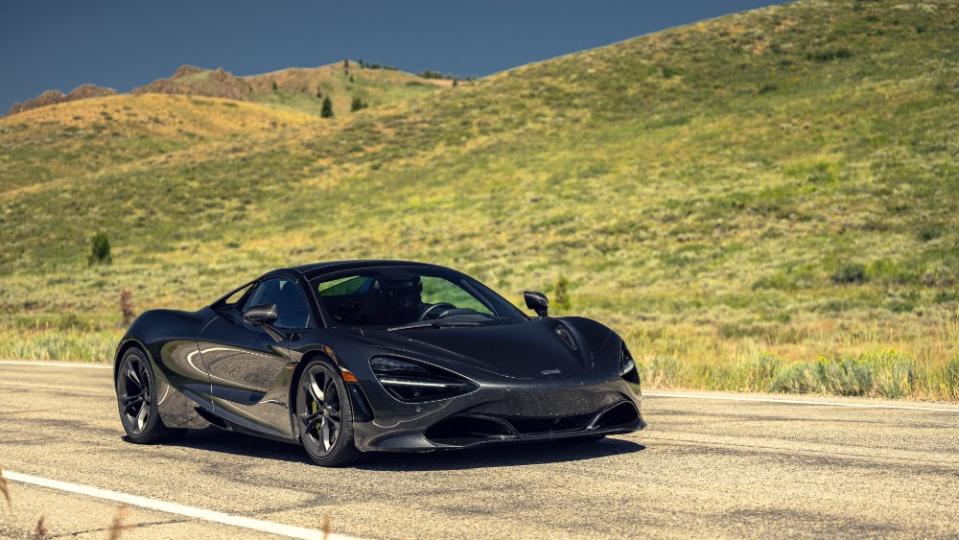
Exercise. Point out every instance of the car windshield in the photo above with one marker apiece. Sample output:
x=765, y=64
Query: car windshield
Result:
x=406, y=296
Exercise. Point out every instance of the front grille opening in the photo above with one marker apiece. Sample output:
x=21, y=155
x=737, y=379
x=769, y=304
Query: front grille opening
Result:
x=463, y=430
x=624, y=413
x=548, y=425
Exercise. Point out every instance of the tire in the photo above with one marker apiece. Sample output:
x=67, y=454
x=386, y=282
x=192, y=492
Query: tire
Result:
x=136, y=400
x=323, y=415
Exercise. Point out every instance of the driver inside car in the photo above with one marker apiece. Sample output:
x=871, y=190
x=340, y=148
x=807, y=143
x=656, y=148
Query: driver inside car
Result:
x=404, y=299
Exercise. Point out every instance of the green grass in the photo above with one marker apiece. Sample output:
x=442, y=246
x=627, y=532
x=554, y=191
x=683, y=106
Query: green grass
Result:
x=778, y=184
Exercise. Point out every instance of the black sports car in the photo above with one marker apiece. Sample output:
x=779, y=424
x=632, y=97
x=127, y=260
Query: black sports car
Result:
x=357, y=356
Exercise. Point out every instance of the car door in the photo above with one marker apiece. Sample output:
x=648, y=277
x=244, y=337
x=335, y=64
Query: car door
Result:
x=250, y=369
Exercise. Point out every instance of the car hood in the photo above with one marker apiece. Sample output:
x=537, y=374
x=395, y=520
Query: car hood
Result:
x=527, y=350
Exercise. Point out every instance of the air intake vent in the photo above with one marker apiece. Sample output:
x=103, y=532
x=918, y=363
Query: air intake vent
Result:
x=622, y=414
x=464, y=430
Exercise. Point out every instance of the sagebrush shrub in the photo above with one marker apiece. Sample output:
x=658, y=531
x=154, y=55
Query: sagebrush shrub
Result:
x=561, y=294
x=849, y=273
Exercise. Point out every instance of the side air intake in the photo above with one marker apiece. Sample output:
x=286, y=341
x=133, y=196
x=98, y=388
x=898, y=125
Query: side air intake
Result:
x=619, y=415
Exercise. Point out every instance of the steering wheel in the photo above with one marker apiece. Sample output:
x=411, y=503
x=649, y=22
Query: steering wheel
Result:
x=434, y=307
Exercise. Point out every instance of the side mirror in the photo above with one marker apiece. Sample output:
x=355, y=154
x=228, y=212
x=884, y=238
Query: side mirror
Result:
x=538, y=302
x=260, y=315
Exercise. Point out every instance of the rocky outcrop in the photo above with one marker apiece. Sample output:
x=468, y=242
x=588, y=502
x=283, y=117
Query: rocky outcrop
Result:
x=186, y=70
x=52, y=97
x=200, y=82
x=87, y=91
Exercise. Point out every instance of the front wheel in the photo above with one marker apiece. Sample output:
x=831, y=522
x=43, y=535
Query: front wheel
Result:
x=137, y=400
x=324, y=416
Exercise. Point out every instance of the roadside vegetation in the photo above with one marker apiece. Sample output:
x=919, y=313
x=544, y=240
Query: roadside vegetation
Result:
x=765, y=201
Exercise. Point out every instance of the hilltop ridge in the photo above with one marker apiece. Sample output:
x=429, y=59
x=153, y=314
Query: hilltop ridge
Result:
x=51, y=97
x=296, y=87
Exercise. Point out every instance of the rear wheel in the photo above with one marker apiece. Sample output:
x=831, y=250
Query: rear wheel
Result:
x=324, y=416
x=137, y=400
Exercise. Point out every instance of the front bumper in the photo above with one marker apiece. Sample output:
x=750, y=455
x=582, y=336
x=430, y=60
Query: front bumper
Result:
x=498, y=413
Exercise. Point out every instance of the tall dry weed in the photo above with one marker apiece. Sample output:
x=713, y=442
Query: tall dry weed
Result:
x=118, y=525
x=5, y=489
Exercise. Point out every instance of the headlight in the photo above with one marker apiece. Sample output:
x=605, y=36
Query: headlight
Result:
x=386, y=364
x=627, y=367
x=566, y=338
x=411, y=381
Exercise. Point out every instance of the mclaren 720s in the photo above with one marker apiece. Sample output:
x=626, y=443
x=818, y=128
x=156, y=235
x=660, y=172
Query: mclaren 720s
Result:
x=367, y=356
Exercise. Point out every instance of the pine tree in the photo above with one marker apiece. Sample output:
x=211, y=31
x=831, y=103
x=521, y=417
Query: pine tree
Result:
x=99, y=250
x=327, y=111
x=357, y=104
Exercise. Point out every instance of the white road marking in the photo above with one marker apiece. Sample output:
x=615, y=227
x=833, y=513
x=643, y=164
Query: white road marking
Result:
x=820, y=403
x=45, y=363
x=174, y=508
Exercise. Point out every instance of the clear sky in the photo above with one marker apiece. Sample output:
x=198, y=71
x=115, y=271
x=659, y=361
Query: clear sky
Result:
x=48, y=44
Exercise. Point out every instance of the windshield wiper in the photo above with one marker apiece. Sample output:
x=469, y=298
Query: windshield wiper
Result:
x=432, y=324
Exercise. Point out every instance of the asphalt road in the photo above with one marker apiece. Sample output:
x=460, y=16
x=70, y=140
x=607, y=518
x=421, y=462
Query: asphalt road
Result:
x=703, y=468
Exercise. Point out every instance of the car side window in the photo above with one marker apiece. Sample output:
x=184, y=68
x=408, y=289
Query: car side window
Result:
x=292, y=309
x=234, y=298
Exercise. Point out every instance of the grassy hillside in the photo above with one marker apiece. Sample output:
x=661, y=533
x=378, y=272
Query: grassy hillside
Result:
x=766, y=201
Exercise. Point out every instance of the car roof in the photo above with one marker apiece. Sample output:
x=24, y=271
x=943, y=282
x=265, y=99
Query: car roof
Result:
x=315, y=269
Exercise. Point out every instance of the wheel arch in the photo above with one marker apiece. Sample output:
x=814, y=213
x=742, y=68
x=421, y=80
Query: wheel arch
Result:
x=126, y=345
x=319, y=353
x=362, y=411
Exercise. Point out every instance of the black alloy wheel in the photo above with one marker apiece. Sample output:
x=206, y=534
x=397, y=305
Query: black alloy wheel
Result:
x=137, y=400
x=324, y=415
